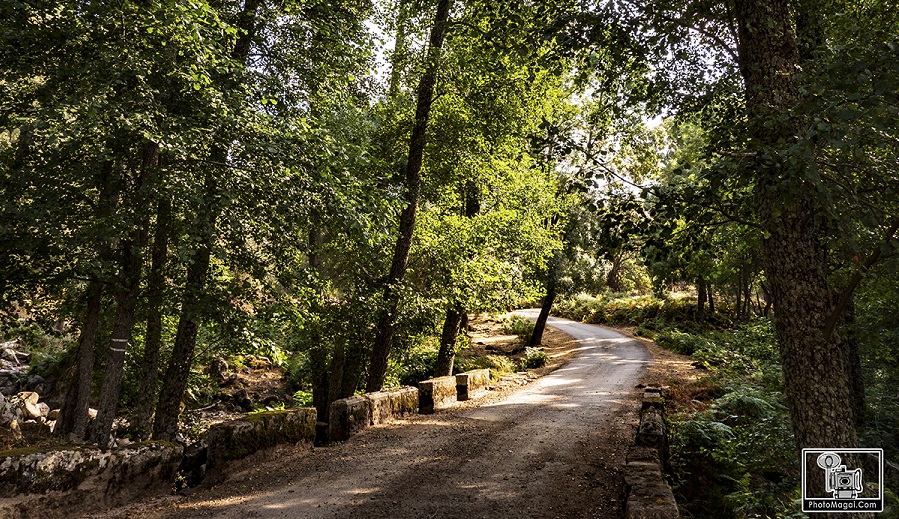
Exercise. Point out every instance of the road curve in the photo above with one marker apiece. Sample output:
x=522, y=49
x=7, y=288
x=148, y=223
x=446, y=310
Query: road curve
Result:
x=551, y=449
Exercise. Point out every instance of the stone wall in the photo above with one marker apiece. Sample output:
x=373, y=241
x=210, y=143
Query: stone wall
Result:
x=349, y=416
x=257, y=435
x=47, y=483
x=435, y=394
x=472, y=384
x=648, y=494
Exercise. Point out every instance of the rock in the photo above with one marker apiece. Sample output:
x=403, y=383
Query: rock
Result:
x=28, y=397
x=91, y=414
x=15, y=429
x=9, y=411
x=242, y=399
x=35, y=411
x=193, y=463
x=228, y=379
x=218, y=367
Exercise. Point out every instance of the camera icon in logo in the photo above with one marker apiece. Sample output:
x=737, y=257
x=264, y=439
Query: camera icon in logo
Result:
x=844, y=484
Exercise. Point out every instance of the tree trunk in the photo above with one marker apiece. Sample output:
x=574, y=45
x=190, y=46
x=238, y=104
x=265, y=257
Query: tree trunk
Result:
x=700, y=296
x=613, y=279
x=709, y=292
x=126, y=301
x=165, y=424
x=548, y=300
x=446, y=354
x=73, y=417
x=814, y=368
x=399, y=48
x=385, y=326
x=153, y=339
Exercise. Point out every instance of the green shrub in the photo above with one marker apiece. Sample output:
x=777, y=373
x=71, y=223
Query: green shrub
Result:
x=533, y=358
x=520, y=326
x=497, y=364
x=413, y=365
x=681, y=342
x=303, y=398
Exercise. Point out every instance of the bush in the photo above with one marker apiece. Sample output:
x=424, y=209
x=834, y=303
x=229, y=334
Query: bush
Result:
x=520, y=326
x=683, y=343
x=497, y=364
x=533, y=358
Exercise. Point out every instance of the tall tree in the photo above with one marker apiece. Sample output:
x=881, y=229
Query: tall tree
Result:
x=412, y=189
x=814, y=366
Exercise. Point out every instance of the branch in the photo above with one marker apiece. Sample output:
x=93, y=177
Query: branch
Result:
x=855, y=280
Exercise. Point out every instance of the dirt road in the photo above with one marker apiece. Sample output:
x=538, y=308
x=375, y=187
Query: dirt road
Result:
x=551, y=449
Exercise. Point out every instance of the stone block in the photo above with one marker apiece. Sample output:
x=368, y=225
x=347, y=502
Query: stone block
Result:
x=259, y=433
x=638, y=453
x=403, y=401
x=651, y=432
x=380, y=410
x=472, y=384
x=652, y=397
x=435, y=394
x=347, y=417
x=393, y=403
x=648, y=495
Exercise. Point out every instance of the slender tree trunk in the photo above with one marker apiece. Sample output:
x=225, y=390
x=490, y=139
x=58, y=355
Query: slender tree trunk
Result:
x=613, y=279
x=385, y=326
x=446, y=353
x=153, y=339
x=710, y=289
x=126, y=302
x=700, y=297
x=548, y=300
x=165, y=424
x=73, y=417
x=814, y=367
x=399, y=48
x=74, y=414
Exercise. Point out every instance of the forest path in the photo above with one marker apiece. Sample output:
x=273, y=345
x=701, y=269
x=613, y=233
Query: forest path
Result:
x=551, y=449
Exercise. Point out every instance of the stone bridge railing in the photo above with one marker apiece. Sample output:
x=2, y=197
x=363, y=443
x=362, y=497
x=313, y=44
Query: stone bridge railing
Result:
x=648, y=494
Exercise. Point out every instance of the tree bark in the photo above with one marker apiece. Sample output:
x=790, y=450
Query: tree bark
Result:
x=73, y=417
x=446, y=353
x=814, y=367
x=700, y=296
x=548, y=300
x=385, y=326
x=153, y=339
x=165, y=424
x=126, y=301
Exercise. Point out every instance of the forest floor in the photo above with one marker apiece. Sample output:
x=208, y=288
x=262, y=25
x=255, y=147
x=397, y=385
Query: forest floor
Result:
x=554, y=448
